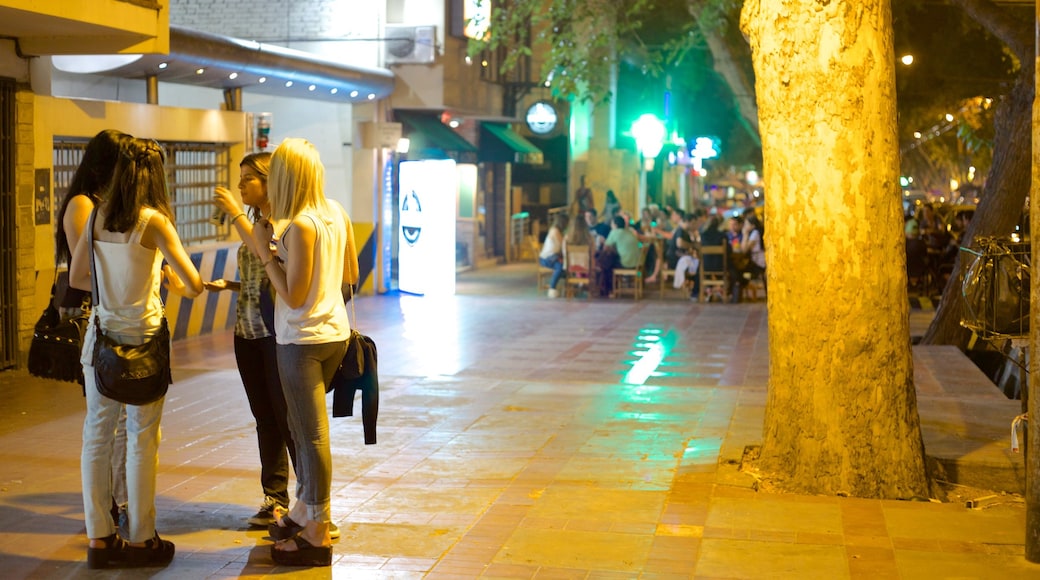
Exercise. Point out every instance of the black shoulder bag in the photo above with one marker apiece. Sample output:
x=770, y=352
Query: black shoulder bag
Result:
x=57, y=341
x=131, y=374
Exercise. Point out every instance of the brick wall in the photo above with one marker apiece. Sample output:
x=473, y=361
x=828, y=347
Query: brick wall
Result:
x=267, y=20
x=26, y=237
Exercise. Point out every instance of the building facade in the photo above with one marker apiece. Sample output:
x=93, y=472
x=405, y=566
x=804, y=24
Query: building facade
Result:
x=211, y=80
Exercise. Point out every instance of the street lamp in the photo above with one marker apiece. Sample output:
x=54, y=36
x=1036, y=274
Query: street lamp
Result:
x=649, y=133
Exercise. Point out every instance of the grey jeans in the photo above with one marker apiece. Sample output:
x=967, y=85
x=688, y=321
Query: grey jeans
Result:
x=306, y=370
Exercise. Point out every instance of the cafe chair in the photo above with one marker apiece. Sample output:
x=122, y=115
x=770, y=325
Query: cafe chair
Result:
x=630, y=280
x=713, y=273
x=578, y=274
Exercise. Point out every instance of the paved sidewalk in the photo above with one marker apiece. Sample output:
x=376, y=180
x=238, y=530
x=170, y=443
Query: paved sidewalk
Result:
x=521, y=437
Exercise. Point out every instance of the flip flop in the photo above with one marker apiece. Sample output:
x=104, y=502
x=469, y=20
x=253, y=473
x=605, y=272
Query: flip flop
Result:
x=305, y=554
x=288, y=529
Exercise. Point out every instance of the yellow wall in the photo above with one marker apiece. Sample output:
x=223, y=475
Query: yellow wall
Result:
x=54, y=117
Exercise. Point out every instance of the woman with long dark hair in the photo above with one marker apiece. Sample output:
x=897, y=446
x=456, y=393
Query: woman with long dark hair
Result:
x=132, y=233
x=255, y=339
x=89, y=183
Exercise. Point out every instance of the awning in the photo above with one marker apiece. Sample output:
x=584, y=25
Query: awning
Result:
x=431, y=139
x=285, y=72
x=499, y=143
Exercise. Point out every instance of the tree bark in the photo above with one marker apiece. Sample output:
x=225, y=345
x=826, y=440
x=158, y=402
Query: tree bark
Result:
x=1007, y=185
x=841, y=415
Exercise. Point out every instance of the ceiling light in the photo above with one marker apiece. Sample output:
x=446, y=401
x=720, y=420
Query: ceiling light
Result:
x=353, y=94
x=288, y=84
x=86, y=64
x=371, y=96
x=312, y=87
x=262, y=80
x=233, y=76
x=333, y=90
x=163, y=65
x=200, y=71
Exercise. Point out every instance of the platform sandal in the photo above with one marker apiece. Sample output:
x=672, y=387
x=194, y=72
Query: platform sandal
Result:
x=156, y=552
x=287, y=529
x=305, y=554
x=113, y=554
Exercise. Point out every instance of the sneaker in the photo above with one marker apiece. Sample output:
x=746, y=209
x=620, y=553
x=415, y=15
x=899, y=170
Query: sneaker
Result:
x=553, y=293
x=265, y=516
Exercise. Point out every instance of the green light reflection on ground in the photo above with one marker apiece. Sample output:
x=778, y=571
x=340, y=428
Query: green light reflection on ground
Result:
x=706, y=449
x=652, y=346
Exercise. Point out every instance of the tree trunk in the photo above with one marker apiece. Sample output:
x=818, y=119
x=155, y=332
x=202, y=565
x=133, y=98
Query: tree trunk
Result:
x=1003, y=197
x=841, y=415
x=1000, y=205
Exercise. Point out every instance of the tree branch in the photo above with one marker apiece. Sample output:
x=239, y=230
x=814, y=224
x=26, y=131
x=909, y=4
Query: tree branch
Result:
x=1016, y=35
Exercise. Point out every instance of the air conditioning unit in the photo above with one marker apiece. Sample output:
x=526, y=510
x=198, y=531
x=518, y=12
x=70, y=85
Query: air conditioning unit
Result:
x=406, y=44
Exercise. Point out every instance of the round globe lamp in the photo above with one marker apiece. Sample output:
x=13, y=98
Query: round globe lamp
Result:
x=649, y=133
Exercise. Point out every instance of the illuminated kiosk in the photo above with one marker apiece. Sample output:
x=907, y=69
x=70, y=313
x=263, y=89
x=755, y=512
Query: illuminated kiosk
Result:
x=426, y=256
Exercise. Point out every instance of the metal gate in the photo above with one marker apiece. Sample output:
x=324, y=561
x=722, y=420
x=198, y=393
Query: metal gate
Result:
x=192, y=170
x=8, y=225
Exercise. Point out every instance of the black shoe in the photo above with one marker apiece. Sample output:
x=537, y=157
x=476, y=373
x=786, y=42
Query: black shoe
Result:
x=287, y=529
x=113, y=554
x=156, y=552
x=305, y=554
x=290, y=528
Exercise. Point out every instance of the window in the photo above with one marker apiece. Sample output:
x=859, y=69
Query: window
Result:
x=192, y=170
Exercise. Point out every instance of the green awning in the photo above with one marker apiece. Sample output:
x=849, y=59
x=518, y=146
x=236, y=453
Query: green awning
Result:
x=431, y=139
x=499, y=143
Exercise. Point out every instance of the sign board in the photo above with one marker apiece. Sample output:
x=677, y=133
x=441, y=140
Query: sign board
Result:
x=541, y=118
x=377, y=135
x=42, y=197
x=426, y=240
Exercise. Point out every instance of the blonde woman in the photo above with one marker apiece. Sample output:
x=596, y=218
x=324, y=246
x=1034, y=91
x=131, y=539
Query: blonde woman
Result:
x=316, y=255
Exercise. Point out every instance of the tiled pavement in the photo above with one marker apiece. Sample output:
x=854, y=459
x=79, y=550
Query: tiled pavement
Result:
x=525, y=438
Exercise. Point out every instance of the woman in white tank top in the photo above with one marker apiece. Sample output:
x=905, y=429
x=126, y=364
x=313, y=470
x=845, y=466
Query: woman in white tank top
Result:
x=316, y=255
x=133, y=232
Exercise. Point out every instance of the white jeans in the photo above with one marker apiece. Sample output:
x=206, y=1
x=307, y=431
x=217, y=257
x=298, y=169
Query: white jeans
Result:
x=142, y=461
x=686, y=265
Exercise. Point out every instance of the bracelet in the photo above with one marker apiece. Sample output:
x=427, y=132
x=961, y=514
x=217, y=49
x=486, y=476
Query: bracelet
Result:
x=243, y=214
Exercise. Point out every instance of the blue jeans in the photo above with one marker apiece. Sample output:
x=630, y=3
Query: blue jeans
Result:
x=555, y=262
x=306, y=371
x=142, y=461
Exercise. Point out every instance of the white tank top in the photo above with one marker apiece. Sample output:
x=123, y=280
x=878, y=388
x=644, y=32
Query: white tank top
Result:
x=129, y=276
x=322, y=318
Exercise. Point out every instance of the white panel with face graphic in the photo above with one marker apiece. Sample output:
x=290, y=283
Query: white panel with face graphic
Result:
x=426, y=255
